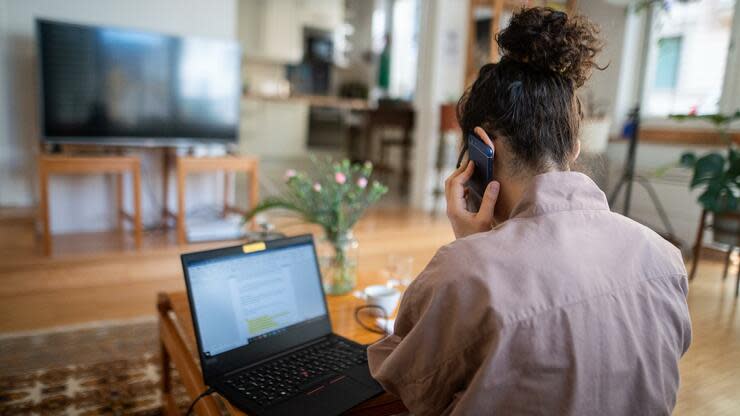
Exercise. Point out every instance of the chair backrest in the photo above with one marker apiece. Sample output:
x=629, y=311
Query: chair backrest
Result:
x=392, y=116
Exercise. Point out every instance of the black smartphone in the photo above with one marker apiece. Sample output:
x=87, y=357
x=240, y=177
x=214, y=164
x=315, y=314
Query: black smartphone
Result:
x=482, y=156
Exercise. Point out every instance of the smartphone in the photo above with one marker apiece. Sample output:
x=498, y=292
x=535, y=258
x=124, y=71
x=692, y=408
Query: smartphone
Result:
x=482, y=156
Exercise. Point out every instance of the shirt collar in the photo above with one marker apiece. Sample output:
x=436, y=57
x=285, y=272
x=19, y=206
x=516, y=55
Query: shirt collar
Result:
x=560, y=191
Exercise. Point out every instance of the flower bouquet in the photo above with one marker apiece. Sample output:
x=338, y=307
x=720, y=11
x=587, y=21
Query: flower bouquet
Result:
x=335, y=199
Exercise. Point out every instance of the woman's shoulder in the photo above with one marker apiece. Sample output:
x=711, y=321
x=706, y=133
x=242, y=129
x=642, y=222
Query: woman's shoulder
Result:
x=465, y=259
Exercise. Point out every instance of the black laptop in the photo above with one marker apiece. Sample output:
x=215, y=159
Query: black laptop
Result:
x=264, y=336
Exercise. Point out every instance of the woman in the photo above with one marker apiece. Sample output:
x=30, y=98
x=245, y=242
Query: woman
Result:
x=547, y=302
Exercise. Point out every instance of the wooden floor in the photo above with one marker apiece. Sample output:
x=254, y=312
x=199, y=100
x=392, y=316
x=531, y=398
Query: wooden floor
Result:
x=101, y=277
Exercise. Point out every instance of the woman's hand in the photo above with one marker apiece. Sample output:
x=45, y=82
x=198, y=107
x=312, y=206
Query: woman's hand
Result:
x=464, y=222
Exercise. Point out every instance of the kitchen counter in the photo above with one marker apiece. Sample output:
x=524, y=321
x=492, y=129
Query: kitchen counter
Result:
x=329, y=101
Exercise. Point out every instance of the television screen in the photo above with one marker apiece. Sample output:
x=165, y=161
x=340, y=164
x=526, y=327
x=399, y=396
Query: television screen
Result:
x=119, y=86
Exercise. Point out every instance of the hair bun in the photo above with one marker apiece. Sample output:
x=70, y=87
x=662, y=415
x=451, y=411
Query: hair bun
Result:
x=552, y=41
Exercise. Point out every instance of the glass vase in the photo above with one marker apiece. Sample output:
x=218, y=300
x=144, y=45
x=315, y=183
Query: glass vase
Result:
x=338, y=260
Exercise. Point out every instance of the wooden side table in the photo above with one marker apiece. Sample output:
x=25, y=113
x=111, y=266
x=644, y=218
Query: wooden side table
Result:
x=49, y=165
x=187, y=165
x=178, y=347
x=703, y=224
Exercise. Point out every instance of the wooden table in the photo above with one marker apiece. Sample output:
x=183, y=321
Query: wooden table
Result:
x=178, y=346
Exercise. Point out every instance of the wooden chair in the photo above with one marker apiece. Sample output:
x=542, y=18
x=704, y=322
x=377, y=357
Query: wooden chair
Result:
x=49, y=165
x=703, y=225
x=229, y=164
x=396, y=116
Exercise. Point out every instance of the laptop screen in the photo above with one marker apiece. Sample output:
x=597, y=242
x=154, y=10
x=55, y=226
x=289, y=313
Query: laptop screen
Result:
x=244, y=299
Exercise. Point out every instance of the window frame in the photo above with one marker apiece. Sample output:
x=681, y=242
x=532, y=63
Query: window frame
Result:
x=730, y=96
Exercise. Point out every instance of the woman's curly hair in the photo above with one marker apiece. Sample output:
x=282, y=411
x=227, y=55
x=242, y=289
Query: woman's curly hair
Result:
x=528, y=97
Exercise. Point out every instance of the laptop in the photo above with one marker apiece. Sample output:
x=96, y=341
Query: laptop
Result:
x=264, y=336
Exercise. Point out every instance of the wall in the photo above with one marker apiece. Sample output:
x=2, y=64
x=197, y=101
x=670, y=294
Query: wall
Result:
x=671, y=187
x=440, y=78
x=216, y=18
x=731, y=102
x=604, y=85
x=6, y=181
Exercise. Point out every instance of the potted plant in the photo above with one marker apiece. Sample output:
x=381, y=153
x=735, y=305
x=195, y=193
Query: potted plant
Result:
x=718, y=174
x=335, y=199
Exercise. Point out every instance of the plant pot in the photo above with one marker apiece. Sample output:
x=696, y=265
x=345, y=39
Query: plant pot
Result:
x=726, y=228
x=338, y=260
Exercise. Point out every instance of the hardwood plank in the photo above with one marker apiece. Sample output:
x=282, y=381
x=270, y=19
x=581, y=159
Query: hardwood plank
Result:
x=710, y=370
x=74, y=306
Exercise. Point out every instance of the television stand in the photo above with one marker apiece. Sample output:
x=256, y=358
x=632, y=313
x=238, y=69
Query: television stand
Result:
x=57, y=164
x=228, y=164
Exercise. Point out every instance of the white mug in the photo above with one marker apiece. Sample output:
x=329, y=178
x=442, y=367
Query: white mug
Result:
x=380, y=295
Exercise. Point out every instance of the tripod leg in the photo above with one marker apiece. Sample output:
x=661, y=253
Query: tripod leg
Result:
x=615, y=192
x=658, y=205
x=628, y=196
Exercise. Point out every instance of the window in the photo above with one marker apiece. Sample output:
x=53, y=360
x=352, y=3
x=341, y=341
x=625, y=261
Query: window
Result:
x=689, y=44
x=404, y=49
x=666, y=71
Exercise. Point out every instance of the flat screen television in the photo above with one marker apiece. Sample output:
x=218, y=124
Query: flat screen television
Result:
x=107, y=85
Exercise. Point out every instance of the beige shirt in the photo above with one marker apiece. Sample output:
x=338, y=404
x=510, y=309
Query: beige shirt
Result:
x=564, y=309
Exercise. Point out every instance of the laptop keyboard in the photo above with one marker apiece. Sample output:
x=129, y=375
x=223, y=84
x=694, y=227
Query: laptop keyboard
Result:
x=300, y=372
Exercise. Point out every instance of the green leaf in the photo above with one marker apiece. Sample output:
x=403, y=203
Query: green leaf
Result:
x=709, y=199
x=688, y=160
x=731, y=202
x=706, y=168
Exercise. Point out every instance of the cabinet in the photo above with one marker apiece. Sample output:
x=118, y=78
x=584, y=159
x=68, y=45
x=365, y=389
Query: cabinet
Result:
x=321, y=14
x=270, y=30
x=274, y=128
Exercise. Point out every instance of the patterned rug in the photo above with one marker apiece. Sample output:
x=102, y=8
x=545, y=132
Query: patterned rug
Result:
x=99, y=369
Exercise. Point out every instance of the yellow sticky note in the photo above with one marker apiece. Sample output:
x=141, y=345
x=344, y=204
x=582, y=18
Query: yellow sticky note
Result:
x=251, y=248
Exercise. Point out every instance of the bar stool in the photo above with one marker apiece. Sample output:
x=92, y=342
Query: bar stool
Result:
x=698, y=248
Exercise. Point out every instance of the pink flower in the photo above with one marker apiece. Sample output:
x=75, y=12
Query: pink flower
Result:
x=340, y=178
x=362, y=182
x=317, y=187
x=290, y=173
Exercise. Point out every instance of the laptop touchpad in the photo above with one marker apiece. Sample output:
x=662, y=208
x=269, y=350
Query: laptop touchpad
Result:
x=340, y=394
